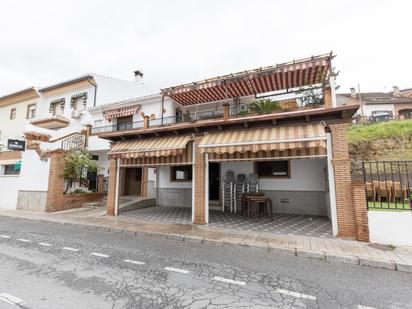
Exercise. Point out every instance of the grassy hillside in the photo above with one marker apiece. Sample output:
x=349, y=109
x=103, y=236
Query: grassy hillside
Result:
x=390, y=140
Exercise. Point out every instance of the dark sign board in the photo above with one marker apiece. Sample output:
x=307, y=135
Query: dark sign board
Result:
x=15, y=144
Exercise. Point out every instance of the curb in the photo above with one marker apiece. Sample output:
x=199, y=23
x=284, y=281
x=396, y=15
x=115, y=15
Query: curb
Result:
x=309, y=254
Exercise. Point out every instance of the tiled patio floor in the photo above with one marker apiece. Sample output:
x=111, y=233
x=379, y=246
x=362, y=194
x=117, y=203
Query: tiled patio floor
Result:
x=282, y=223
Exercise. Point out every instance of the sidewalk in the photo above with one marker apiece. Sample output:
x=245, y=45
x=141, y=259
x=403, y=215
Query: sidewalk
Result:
x=330, y=250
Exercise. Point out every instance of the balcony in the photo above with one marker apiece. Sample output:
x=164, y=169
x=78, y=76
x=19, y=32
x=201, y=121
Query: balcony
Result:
x=240, y=111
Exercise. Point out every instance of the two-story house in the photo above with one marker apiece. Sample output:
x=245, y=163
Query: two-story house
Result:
x=210, y=137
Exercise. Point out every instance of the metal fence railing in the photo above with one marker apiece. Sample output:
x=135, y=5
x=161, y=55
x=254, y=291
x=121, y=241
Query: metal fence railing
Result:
x=388, y=184
x=240, y=110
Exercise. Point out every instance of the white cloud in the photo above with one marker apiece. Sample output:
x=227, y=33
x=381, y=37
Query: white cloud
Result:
x=175, y=42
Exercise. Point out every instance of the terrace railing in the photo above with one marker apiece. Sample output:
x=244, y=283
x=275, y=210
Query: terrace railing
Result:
x=388, y=184
x=193, y=116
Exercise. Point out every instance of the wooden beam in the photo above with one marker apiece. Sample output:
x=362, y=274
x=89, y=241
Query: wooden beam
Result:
x=219, y=127
x=307, y=118
x=245, y=124
x=274, y=122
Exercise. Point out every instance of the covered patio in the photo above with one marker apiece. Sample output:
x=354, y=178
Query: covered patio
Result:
x=303, y=225
x=302, y=204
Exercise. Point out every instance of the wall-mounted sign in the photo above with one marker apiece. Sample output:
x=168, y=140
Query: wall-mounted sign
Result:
x=15, y=144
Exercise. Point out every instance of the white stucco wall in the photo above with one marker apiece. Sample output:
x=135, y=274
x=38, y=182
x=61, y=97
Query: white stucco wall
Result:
x=165, y=183
x=34, y=173
x=306, y=175
x=13, y=128
x=390, y=227
x=369, y=108
x=8, y=191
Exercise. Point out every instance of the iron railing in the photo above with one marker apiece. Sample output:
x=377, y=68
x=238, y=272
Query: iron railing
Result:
x=74, y=141
x=218, y=113
x=388, y=184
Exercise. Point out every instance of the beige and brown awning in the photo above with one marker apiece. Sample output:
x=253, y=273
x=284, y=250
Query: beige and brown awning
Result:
x=121, y=112
x=289, y=139
x=150, y=148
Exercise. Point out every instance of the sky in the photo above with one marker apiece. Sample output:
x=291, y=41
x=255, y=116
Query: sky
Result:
x=173, y=42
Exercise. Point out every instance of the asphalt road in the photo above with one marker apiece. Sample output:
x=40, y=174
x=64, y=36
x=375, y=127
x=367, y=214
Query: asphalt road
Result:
x=54, y=266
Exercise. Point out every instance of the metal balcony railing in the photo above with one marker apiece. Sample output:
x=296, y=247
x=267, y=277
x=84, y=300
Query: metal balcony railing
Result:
x=193, y=116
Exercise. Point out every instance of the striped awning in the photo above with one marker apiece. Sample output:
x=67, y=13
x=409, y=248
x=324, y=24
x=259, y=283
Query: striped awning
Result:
x=121, y=112
x=280, y=139
x=153, y=147
x=299, y=73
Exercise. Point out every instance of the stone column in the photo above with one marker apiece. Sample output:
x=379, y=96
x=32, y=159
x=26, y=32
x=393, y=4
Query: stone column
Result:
x=361, y=211
x=341, y=167
x=199, y=187
x=111, y=194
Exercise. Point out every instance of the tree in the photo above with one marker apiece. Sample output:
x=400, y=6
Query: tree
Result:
x=264, y=106
x=76, y=164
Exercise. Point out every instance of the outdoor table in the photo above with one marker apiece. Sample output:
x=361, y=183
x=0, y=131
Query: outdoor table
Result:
x=251, y=203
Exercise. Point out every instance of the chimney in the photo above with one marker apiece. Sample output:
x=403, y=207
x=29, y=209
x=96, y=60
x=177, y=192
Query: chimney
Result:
x=353, y=93
x=138, y=76
x=396, y=91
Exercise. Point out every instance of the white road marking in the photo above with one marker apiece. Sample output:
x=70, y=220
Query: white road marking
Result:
x=99, y=255
x=295, y=294
x=44, y=244
x=134, y=262
x=5, y=236
x=365, y=307
x=221, y=279
x=70, y=249
x=23, y=240
x=177, y=270
x=10, y=299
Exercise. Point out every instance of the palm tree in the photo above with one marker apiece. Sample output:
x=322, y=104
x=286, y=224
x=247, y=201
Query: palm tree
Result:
x=264, y=106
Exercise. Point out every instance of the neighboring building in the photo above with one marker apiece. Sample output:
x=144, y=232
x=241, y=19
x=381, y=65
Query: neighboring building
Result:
x=183, y=149
x=59, y=115
x=377, y=106
x=17, y=110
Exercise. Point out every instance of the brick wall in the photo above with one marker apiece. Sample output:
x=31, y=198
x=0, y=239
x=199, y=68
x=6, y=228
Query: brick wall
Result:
x=199, y=187
x=361, y=211
x=341, y=167
x=56, y=200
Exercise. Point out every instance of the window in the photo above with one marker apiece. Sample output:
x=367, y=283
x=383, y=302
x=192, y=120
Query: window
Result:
x=272, y=169
x=31, y=111
x=12, y=114
x=181, y=173
x=124, y=123
x=11, y=169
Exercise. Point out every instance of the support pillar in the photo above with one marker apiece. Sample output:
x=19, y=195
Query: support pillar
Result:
x=361, y=211
x=112, y=190
x=342, y=174
x=145, y=176
x=327, y=96
x=199, y=209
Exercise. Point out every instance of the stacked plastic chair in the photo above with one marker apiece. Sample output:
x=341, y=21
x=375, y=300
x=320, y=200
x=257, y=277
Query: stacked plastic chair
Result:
x=240, y=188
x=227, y=189
x=253, y=183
